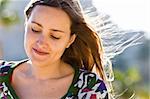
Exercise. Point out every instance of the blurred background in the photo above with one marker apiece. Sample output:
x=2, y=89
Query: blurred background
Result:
x=131, y=68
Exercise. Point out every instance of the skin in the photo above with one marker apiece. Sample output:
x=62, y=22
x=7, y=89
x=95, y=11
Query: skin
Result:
x=47, y=35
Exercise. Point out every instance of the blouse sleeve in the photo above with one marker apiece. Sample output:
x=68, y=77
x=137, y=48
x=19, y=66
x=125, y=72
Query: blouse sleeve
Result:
x=4, y=78
x=5, y=67
x=2, y=66
x=91, y=86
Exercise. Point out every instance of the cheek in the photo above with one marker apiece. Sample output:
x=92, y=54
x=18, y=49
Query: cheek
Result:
x=28, y=40
x=57, y=46
x=62, y=44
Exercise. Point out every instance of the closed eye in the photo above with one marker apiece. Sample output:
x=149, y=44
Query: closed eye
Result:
x=55, y=37
x=34, y=30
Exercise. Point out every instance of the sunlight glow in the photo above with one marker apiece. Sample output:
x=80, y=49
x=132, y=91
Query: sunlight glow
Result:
x=128, y=14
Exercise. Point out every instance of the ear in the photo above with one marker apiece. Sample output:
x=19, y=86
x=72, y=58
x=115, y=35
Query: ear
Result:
x=72, y=39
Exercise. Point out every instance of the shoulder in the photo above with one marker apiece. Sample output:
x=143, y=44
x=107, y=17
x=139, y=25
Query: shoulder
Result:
x=91, y=85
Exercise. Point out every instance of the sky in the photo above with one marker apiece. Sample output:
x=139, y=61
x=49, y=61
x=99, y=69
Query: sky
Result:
x=128, y=14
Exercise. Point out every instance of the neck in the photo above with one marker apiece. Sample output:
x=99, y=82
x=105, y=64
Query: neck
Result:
x=50, y=71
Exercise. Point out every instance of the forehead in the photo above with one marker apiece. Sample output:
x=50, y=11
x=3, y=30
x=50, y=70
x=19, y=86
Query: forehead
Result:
x=50, y=15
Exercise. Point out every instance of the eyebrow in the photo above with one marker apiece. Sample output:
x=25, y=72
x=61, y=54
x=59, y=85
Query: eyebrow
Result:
x=49, y=29
x=37, y=23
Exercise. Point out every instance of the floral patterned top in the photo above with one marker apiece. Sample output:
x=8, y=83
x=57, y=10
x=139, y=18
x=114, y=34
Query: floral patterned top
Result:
x=85, y=85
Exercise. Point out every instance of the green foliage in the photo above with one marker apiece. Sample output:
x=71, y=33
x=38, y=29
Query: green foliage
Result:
x=3, y=4
x=127, y=85
x=7, y=16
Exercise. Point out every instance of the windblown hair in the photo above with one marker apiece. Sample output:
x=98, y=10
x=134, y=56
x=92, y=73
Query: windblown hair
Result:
x=86, y=51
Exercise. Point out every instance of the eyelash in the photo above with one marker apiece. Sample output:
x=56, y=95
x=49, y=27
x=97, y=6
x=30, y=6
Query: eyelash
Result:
x=50, y=35
x=55, y=37
x=34, y=30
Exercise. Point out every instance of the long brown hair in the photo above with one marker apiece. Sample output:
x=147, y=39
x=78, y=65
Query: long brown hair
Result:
x=86, y=51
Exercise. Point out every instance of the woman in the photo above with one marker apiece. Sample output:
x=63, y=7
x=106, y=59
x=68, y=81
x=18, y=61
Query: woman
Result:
x=62, y=50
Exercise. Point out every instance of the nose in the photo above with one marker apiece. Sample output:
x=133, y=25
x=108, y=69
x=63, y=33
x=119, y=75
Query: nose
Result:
x=42, y=41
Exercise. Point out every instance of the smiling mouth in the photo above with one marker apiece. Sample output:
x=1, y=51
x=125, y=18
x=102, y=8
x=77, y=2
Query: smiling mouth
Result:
x=39, y=52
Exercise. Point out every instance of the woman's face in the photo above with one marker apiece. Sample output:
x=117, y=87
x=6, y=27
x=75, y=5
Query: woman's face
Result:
x=47, y=35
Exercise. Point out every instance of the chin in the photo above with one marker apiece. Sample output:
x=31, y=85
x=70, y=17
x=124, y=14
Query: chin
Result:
x=38, y=63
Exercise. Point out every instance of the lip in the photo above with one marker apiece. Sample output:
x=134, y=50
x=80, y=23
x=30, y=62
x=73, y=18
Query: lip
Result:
x=39, y=52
